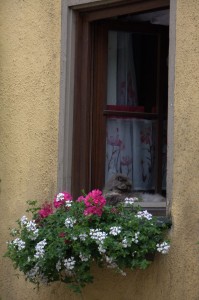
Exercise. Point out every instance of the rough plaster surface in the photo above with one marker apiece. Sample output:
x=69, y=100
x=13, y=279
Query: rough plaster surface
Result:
x=29, y=106
x=30, y=54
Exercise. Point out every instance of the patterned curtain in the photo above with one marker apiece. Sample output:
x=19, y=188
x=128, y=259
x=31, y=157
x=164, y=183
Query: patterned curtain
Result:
x=130, y=143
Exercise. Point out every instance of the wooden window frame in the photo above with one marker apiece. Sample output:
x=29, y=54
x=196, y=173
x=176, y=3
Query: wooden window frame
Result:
x=82, y=160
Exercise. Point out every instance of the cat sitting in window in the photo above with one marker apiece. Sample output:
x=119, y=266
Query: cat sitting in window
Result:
x=118, y=187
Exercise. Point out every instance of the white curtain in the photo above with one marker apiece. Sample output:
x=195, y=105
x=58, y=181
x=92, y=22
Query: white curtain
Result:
x=126, y=80
x=130, y=143
x=130, y=150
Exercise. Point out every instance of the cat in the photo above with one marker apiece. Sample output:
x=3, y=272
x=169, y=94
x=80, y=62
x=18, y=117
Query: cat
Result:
x=119, y=187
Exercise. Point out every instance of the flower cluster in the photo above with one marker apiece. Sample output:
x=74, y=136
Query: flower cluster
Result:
x=163, y=247
x=94, y=203
x=46, y=210
x=61, y=243
x=98, y=235
x=19, y=244
x=24, y=220
x=30, y=226
x=130, y=201
x=135, y=238
x=69, y=222
x=40, y=249
x=115, y=230
x=144, y=214
x=69, y=263
x=61, y=199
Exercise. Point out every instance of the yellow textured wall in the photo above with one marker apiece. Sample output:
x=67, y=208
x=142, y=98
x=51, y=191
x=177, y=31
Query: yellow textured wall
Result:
x=29, y=108
x=30, y=56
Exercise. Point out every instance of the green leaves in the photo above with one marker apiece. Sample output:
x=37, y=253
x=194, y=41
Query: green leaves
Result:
x=122, y=237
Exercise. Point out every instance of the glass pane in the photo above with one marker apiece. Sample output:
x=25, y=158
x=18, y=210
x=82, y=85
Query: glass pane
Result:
x=130, y=150
x=132, y=70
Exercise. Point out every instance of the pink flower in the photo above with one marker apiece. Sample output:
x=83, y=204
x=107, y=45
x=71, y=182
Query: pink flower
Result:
x=92, y=210
x=61, y=198
x=145, y=136
x=80, y=199
x=62, y=234
x=115, y=141
x=126, y=161
x=95, y=198
x=94, y=202
x=46, y=210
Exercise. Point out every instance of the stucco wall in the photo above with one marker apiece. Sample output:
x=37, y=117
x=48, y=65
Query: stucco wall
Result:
x=29, y=108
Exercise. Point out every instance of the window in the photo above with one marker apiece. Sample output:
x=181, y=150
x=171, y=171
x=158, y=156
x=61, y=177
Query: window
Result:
x=120, y=109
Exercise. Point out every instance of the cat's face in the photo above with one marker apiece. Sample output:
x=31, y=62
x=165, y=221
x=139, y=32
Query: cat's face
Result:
x=119, y=182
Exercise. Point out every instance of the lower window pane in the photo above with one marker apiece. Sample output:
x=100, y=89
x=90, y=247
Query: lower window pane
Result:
x=130, y=150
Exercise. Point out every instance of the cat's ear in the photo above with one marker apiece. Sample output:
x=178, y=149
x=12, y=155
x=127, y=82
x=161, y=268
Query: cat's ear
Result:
x=119, y=178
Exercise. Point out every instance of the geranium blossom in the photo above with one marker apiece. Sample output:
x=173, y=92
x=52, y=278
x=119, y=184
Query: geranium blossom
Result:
x=115, y=230
x=46, y=210
x=24, y=220
x=61, y=198
x=144, y=214
x=80, y=199
x=40, y=249
x=19, y=243
x=69, y=222
x=130, y=201
x=94, y=202
x=69, y=263
x=163, y=247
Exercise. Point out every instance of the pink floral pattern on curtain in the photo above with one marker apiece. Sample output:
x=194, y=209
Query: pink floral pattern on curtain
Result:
x=130, y=150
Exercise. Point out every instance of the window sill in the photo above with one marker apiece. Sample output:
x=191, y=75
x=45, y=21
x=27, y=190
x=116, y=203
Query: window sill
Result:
x=155, y=208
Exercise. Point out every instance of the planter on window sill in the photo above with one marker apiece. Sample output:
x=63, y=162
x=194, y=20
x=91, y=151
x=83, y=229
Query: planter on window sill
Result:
x=61, y=243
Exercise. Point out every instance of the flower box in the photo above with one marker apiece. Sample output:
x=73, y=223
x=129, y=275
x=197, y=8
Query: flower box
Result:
x=63, y=239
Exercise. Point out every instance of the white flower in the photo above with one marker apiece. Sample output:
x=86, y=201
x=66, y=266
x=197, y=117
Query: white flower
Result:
x=33, y=272
x=163, y=247
x=34, y=234
x=24, y=220
x=40, y=249
x=19, y=243
x=144, y=214
x=31, y=226
x=133, y=253
x=69, y=263
x=69, y=222
x=130, y=201
x=135, y=239
x=125, y=243
x=68, y=203
x=60, y=197
x=83, y=257
x=98, y=235
x=83, y=236
x=108, y=259
x=115, y=230
x=101, y=249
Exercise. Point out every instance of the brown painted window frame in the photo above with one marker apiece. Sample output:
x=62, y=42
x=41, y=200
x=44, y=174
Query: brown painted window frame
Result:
x=88, y=154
